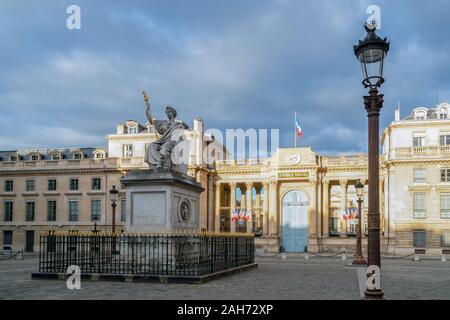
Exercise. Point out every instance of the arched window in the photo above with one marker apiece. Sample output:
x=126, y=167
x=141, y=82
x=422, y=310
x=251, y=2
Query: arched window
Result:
x=34, y=157
x=56, y=156
x=77, y=156
x=443, y=113
x=13, y=158
x=99, y=154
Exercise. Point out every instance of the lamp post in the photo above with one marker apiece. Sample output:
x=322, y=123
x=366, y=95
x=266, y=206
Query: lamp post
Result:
x=359, y=258
x=113, y=196
x=371, y=52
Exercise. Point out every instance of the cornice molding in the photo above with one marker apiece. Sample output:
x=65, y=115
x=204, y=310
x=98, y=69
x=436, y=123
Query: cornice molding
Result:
x=60, y=171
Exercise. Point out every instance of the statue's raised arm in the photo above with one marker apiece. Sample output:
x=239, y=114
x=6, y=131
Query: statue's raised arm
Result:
x=148, y=111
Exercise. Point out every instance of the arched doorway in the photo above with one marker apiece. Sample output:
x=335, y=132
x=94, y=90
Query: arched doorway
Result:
x=294, y=232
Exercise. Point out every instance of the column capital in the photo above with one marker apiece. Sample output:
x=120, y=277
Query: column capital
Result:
x=343, y=182
x=232, y=185
x=273, y=183
x=249, y=185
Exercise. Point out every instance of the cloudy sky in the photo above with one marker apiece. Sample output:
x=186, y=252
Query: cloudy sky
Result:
x=235, y=64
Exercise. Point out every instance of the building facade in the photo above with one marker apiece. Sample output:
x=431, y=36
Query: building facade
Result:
x=297, y=200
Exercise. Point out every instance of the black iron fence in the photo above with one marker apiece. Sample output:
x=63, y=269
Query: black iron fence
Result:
x=176, y=254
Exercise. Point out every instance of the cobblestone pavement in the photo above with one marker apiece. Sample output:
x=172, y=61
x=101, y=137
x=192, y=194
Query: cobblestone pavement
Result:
x=294, y=278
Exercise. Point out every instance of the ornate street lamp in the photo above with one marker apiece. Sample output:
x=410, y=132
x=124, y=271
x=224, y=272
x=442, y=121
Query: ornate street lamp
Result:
x=113, y=196
x=371, y=52
x=359, y=258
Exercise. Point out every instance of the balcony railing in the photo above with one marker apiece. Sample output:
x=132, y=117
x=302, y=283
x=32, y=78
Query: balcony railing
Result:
x=423, y=152
x=345, y=160
x=57, y=164
x=246, y=162
x=135, y=162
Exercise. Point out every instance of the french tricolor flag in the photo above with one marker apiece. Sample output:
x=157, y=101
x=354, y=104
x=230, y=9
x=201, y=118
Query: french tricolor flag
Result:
x=298, y=129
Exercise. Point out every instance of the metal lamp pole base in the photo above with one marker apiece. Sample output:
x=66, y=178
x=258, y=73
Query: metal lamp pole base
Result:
x=359, y=258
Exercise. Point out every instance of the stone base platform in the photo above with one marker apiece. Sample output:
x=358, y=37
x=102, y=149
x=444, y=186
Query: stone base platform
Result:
x=146, y=278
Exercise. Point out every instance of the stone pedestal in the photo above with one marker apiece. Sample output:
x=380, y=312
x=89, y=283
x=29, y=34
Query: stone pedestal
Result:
x=161, y=201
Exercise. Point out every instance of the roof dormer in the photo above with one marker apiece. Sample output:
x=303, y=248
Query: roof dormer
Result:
x=78, y=155
x=35, y=156
x=420, y=113
x=443, y=111
x=99, y=154
x=13, y=157
x=55, y=155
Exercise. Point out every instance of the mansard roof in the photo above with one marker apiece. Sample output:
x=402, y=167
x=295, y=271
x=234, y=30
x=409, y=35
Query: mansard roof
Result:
x=46, y=154
x=432, y=113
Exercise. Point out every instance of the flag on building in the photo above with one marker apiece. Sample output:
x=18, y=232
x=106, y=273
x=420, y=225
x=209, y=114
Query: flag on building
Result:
x=235, y=215
x=248, y=215
x=298, y=129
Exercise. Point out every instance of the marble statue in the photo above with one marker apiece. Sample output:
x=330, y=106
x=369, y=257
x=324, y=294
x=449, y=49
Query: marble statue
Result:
x=170, y=132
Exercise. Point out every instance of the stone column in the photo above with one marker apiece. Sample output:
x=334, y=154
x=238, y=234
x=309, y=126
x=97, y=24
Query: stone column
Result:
x=266, y=209
x=313, y=214
x=232, y=206
x=258, y=208
x=326, y=208
x=273, y=210
x=217, y=215
x=343, y=223
x=249, y=186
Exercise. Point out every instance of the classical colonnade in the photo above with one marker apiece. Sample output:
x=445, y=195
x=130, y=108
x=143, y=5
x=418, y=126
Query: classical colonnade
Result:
x=266, y=205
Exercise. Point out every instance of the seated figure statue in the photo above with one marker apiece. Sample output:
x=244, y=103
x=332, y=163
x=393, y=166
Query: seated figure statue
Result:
x=159, y=153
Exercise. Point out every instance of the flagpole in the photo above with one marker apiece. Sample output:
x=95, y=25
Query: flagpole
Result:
x=295, y=130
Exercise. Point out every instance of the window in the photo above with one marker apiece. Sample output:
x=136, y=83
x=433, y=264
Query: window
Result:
x=420, y=115
x=445, y=175
x=445, y=239
x=123, y=209
x=56, y=156
x=127, y=150
x=419, y=205
x=418, y=141
x=9, y=208
x=96, y=207
x=9, y=185
x=445, y=206
x=99, y=155
x=73, y=184
x=77, y=156
x=132, y=129
x=30, y=185
x=443, y=114
x=96, y=184
x=7, y=238
x=13, y=158
x=334, y=226
x=51, y=210
x=73, y=210
x=30, y=210
x=419, y=175
x=34, y=157
x=420, y=239
x=52, y=185
x=444, y=140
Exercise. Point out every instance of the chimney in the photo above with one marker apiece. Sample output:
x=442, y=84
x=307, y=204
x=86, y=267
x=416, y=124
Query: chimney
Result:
x=397, y=112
